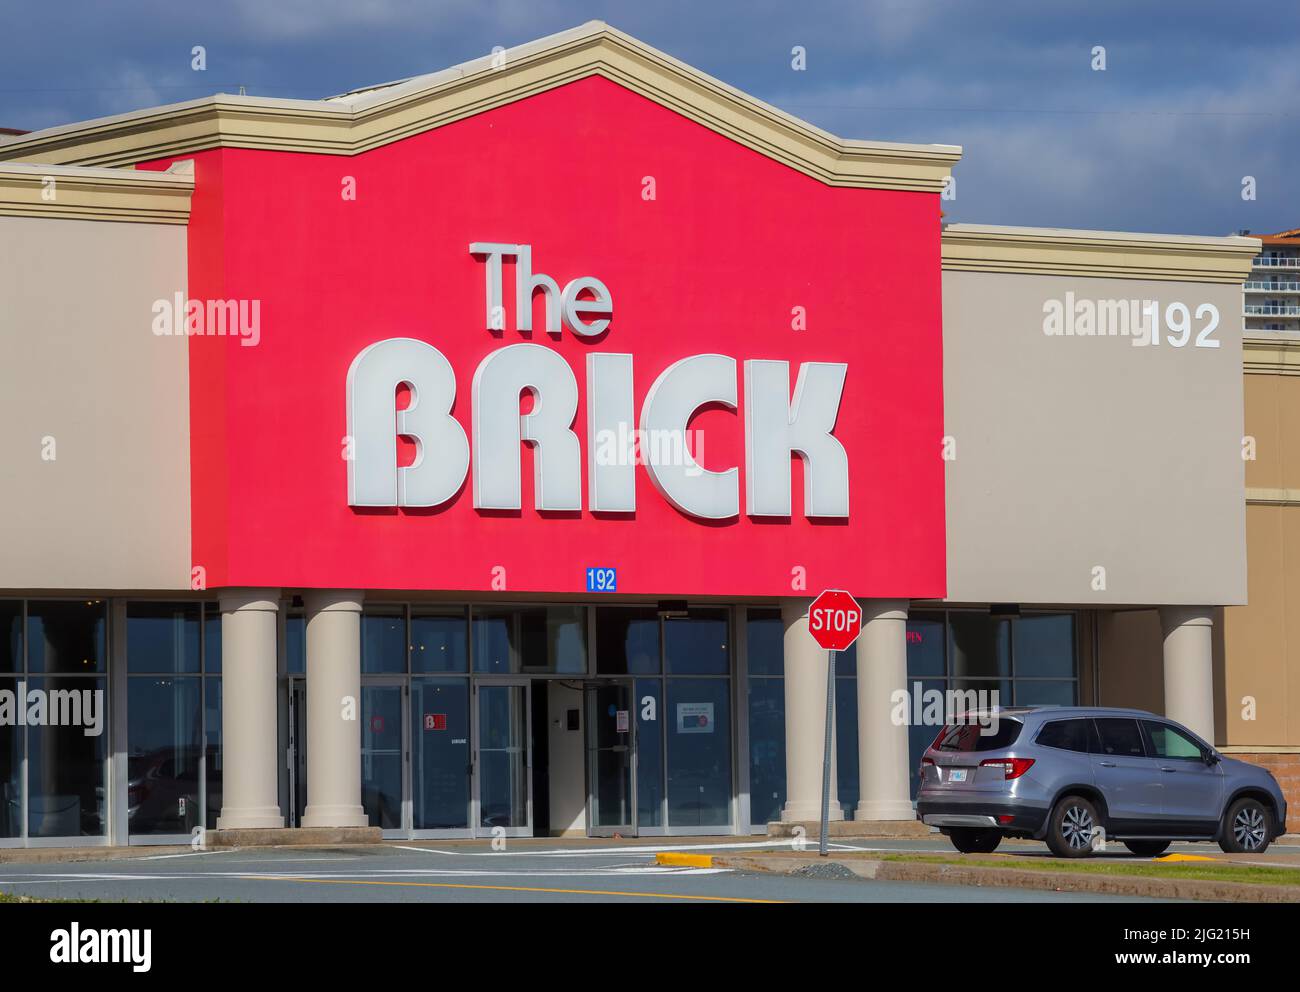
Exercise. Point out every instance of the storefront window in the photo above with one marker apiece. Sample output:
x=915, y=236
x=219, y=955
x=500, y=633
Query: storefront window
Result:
x=381, y=755
x=1044, y=646
x=66, y=736
x=698, y=644
x=173, y=717
x=165, y=732
x=383, y=640
x=650, y=749
x=163, y=638
x=980, y=645
x=765, y=650
x=846, y=734
x=65, y=767
x=11, y=635
x=67, y=637
x=212, y=734
x=295, y=643
x=494, y=641
x=11, y=770
x=553, y=639
x=627, y=641
x=699, y=752
x=439, y=641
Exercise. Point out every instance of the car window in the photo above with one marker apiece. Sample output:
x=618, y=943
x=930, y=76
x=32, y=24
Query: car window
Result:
x=971, y=736
x=1068, y=735
x=1120, y=737
x=1170, y=742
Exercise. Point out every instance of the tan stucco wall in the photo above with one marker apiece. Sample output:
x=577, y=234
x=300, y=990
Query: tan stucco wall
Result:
x=1075, y=452
x=1261, y=644
x=79, y=363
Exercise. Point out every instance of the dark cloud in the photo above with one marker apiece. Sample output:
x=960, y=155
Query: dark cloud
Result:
x=1195, y=95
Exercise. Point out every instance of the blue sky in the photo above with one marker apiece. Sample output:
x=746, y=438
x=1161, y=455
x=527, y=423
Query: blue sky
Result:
x=1195, y=95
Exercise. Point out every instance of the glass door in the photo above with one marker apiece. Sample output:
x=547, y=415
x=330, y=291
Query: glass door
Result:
x=611, y=760
x=382, y=736
x=503, y=761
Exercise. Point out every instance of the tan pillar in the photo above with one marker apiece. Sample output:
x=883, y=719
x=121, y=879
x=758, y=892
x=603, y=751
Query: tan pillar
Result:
x=805, y=719
x=882, y=742
x=333, y=709
x=250, y=797
x=1189, y=667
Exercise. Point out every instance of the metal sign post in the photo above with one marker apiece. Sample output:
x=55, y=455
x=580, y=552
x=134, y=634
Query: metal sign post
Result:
x=834, y=622
x=826, y=754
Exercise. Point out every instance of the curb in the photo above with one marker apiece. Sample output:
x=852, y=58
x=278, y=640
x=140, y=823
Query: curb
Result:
x=1017, y=878
x=680, y=860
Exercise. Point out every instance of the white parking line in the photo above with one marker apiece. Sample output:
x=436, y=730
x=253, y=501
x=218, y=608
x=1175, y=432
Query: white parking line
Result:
x=604, y=851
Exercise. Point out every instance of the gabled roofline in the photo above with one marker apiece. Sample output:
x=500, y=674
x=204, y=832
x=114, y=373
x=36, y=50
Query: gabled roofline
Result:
x=354, y=123
x=67, y=192
x=1102, y=254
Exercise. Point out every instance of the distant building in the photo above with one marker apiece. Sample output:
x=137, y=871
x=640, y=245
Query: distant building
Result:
x=1272, y=297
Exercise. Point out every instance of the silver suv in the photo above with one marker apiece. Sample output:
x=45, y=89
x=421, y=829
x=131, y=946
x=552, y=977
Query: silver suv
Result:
x=1077, y=776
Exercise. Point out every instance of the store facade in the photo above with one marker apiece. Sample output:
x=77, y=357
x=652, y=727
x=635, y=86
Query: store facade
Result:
x=459, y=456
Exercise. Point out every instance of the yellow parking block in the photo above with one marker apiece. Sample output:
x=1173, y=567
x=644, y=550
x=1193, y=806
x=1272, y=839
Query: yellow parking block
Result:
x=1185, y=857
x=683, y=860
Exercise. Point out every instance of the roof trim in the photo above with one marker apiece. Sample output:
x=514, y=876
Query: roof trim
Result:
x=367, y=119
x=79, y=193
x=1271, y=353
x=1105, y=254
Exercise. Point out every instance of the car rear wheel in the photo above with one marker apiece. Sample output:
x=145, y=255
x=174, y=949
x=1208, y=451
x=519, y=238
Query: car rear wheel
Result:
x=975, y=840
x=1147, y=848
x=1247, y=827
x=1073, y=823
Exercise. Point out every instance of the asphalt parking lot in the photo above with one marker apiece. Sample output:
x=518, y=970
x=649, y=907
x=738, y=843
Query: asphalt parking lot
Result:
x=526, y=871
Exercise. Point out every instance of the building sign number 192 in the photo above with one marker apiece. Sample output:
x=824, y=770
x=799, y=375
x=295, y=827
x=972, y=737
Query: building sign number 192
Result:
x=602, y=580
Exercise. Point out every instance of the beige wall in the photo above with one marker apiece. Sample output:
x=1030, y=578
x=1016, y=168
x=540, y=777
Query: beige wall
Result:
x=80, y=364
x=1262, y=652
x=1075, y=452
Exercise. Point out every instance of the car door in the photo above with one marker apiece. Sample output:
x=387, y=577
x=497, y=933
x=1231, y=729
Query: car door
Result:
x=1191, y=789
x=1128, y=779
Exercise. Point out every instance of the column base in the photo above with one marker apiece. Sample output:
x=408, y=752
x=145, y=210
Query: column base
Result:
x=884, y=809
x=809, y=813
x=334, y=816
x=250, y=818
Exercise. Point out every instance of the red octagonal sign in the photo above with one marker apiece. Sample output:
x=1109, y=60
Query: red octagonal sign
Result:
x=835, y=620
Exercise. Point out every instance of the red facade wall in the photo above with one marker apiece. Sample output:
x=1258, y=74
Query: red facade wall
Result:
x=731, y=242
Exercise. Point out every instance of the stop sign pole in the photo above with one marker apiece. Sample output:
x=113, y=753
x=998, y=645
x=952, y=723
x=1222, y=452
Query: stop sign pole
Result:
x=834, y=621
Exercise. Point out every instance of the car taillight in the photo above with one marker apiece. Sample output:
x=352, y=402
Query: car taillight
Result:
x=1011, y=767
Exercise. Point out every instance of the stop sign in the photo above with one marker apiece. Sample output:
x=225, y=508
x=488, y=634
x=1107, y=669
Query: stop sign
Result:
x=835, y=620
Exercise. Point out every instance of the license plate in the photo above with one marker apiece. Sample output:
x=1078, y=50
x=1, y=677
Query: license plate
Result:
x=957, y=775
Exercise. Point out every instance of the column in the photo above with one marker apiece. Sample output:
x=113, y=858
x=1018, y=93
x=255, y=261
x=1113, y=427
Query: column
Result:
x=250, y=797
x=1189, y=667
x=805, y=719
x=333, y=710
x=882, y=742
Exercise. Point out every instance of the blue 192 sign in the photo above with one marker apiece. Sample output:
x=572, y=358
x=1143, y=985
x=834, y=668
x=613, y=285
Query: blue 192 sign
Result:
x=602, y=580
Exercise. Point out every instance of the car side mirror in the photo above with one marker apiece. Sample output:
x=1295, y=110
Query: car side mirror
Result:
x=1210, y=758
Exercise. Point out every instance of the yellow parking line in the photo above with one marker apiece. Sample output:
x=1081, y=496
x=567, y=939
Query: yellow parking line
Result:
x=684, y=860
x=511, y=888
